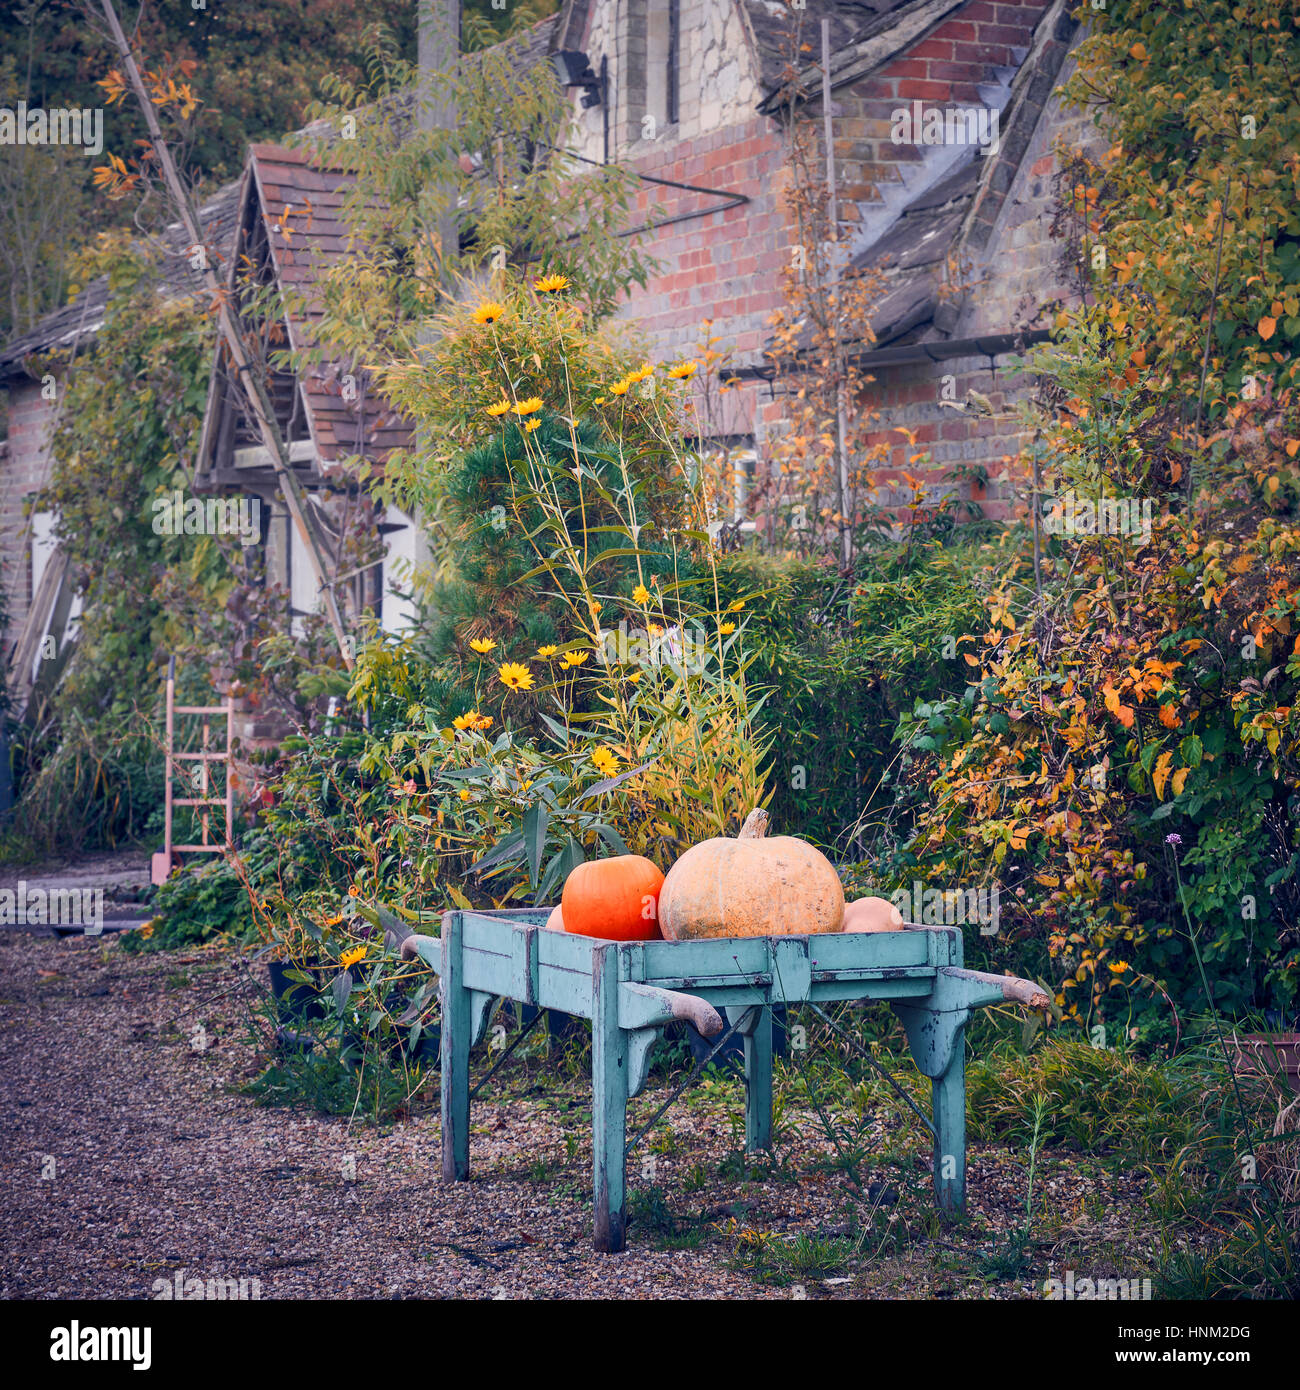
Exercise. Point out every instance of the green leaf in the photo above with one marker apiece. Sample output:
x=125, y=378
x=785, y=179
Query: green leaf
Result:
x=1191, y=750
x=342, y=988
x=534, y=835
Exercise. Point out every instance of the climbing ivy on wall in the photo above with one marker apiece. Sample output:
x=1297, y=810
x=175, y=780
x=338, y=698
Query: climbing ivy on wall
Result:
x=128, y=425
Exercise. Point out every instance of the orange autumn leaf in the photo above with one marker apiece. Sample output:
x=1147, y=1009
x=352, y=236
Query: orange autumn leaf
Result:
x=1267, y=327
x=1122, y=712
x=1169, y=717
x=1161, y=774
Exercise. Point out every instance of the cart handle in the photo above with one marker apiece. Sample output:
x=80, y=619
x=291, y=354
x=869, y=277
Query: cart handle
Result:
x=1011, y=987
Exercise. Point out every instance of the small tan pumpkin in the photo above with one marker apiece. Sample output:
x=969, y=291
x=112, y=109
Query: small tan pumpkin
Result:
x=751, y=886
x=555, y=922
x=872, y=914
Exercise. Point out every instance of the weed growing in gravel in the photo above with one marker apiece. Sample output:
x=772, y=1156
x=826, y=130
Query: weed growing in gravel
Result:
x=326, y=1083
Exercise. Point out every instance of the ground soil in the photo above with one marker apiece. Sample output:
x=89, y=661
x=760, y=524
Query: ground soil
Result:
x=135, y=1151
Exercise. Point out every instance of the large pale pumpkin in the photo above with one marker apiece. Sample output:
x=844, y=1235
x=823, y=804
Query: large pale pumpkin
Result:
x=751, y=886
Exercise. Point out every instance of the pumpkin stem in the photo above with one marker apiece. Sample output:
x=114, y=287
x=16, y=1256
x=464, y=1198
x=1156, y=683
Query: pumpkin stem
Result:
x=755, y=826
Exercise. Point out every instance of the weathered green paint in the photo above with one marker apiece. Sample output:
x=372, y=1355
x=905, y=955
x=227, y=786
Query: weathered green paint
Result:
x=455, y=1046
x=609, y=1066
x=757, y=1032
x=630, y=990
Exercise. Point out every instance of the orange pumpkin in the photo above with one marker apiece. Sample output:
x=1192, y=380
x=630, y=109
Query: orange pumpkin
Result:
x=617, y=899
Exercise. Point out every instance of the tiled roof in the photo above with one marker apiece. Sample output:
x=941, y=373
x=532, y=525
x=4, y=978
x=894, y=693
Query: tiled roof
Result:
x=774, y=22
x=76, y=323
x=298, y=192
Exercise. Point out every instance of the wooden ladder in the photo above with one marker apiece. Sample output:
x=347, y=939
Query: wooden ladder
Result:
x=163, y=861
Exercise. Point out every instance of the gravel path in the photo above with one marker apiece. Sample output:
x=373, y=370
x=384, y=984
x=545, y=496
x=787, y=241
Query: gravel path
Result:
x=133, y=1154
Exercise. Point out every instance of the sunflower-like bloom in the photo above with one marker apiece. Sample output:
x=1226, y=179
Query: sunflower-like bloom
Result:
x=499, y=408
x=551, y=284
x=489, y=312
x=683, y=371
x=483, y=645
x=516, y=676
x=528, y=407
x=605, y=761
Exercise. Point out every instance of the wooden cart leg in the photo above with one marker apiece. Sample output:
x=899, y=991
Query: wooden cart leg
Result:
x=456, y=1041
x=609, y=1065
x=758, y=1083
x=948, y=1092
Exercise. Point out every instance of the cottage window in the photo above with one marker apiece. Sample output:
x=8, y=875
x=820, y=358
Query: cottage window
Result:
x=661, y=76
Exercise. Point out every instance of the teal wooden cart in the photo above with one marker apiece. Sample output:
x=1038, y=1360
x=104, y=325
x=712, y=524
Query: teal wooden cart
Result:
x=629, y=991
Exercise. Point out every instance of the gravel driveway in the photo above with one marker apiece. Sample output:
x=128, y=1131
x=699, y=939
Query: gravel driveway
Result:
x=134, y=1154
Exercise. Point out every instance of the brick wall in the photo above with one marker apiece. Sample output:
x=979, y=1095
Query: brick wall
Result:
x=967, y=61
x=727, y=266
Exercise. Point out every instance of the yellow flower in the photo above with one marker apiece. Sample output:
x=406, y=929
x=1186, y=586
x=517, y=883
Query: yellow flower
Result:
x=531, y=425
x=548, y=284
x=620, y=388
x=333, y=921
x=600, y=400
x=726, y=629
x=350, y=957
x=641, y=595
x=500, y=408
x=463, y=793
x=544, y=653
x=635, y=676
x=1118, y=968
x=516, y=675
x=642, y=372
x=656, y=630
x=605, y=761
x=736, y=606
x=354, y=891
x=683, y=371
x=533, y=403
x=466, y=721
x=483, y=645
x=526, y=785
x=574, y=658
x=489, y=312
